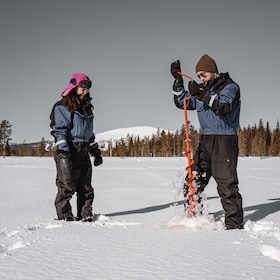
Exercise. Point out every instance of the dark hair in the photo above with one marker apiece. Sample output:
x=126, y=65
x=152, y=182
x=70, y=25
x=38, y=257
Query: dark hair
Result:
x=72, y=101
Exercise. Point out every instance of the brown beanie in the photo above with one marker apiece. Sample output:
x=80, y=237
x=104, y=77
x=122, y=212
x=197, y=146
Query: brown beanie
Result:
x=207, y=64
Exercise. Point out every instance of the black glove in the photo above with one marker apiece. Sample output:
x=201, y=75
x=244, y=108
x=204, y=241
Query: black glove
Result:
x=65, y=162
x=201, y=92
x=96, y=153
x=98, y=160
x=195, y=89
x=174, y=69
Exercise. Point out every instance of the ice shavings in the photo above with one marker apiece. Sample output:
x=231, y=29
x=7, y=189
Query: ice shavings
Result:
x=200, y=222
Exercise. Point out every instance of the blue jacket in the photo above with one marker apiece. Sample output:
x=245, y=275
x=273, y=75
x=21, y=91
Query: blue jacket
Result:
x=219, y=111
x=70, y=127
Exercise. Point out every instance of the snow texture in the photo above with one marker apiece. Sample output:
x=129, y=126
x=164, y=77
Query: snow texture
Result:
x=141, y=231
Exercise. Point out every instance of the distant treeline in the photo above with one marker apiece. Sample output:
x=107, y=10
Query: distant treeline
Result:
x=257, y=140
x=253, y=141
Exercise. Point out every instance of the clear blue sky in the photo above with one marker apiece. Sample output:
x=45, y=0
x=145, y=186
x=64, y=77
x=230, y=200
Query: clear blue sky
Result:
x=126, y=47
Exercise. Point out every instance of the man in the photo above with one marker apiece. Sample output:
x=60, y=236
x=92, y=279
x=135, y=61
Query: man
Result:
x=217, y=101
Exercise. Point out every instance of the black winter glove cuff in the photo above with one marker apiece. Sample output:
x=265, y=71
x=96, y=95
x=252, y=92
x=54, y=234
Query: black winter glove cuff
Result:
x=93, y=149
x=178, y=84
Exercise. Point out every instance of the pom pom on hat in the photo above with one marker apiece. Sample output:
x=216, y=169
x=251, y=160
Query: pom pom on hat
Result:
x=207, y=64
x=77, y=79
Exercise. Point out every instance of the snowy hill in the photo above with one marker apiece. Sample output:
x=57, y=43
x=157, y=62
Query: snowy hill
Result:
x=119, y=133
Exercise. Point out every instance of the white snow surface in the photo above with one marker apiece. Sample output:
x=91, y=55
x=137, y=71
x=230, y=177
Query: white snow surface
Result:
x=141, y=231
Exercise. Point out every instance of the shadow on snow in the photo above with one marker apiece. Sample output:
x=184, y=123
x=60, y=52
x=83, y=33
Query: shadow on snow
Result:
x=260, y=210
x=149, y=209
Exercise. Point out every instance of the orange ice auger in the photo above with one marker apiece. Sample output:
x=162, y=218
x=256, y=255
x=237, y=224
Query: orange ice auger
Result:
x=189, y=182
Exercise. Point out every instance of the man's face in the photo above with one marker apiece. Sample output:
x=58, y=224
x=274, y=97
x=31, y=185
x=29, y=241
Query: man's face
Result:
x=206, y=76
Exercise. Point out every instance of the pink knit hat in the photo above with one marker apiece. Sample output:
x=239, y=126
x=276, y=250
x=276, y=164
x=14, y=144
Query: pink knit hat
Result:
x=75, y=80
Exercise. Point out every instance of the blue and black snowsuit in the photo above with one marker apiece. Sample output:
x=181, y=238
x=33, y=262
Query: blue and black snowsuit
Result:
x=218, y=113
x=73, y=133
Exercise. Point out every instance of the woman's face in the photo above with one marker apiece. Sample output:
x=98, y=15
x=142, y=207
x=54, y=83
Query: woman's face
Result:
x=82, y=92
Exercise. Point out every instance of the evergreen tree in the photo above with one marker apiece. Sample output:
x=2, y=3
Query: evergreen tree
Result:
x=274, y=149
x=5, y=133
x=267, y=139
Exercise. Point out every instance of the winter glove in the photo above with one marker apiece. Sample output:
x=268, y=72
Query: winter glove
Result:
x=199, y=91
x=175, y=68
x=178, y=83
x=65, y=162
x=96, y=153
x=98, y=160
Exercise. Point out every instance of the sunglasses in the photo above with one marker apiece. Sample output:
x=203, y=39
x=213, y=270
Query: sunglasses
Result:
x=201, y=75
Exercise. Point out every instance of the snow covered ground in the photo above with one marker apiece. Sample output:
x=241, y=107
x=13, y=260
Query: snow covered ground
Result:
x=141, y=232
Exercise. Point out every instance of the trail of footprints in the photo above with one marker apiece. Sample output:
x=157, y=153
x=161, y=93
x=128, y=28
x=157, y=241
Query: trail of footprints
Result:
x=262, y=231
x=28, y=235
x=22, y=237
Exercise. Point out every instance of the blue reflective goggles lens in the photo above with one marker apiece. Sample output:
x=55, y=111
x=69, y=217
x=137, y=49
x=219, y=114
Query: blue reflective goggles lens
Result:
x=201, y=75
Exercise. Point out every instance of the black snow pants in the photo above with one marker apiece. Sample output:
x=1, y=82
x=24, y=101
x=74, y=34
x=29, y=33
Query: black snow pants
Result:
x=77, y=180
x=217, y=156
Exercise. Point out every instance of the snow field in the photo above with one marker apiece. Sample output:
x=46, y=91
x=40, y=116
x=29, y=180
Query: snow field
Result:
x=141, y=232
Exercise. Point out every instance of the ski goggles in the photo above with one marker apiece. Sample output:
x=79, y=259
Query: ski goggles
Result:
x=85, y=84
x=201, y=75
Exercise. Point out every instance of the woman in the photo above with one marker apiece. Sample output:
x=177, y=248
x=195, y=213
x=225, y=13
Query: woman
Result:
x=72, y=128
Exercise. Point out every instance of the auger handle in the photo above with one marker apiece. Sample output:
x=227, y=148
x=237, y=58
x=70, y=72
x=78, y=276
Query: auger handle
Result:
x=185, y=75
